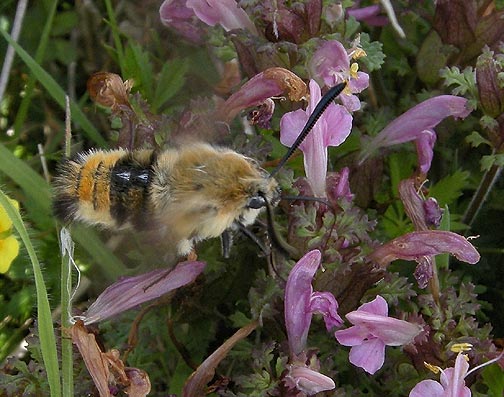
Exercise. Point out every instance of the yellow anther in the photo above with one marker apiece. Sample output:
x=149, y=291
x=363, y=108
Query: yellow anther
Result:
x=432, y=368
x=461, y=347
x=358, y=53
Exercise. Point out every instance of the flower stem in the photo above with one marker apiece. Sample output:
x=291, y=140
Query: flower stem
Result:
x=481, y=193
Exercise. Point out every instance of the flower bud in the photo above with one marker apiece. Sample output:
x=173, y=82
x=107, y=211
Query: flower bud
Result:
x=491, y=93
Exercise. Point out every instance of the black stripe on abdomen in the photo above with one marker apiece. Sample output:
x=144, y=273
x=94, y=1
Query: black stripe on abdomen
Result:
x=129, y=182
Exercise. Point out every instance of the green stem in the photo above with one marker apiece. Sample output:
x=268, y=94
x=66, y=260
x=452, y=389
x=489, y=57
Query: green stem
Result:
x=481, y=194
x=66, y=342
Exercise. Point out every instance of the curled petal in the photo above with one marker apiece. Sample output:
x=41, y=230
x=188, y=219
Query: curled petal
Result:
x=108, y=89
x=298, y=291
x=325, y=303
x=196, y=384
x=269, y=83
x=130, y=292
x=413, y=246
x=425, y=150
x=370, y=355
x=307, y=380
x=424, y=271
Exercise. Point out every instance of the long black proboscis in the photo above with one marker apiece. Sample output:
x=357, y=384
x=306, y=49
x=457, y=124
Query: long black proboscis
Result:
x=317, y=112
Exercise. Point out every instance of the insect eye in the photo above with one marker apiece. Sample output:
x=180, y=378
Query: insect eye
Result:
x=256, y=202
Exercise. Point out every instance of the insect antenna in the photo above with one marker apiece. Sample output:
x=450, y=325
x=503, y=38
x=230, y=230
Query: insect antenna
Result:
x=317, y=112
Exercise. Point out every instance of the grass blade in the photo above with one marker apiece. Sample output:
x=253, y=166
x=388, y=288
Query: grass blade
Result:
x=56, y=91
x=45, y=325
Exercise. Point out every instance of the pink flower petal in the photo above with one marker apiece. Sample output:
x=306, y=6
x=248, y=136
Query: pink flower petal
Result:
x=227, y=13
x=338, y=123
x=429, y=388
x=389, y=330
x=425, y=116
x=289, y=126
x=325, y=303
x=352, y=336
x=298, y=291
x=307, y=380
x=370, y=355
x=412, y=246
x=130, y=292
x=377, y=306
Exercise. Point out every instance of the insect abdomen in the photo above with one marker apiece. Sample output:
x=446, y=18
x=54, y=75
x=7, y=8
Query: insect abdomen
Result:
x=107, y=188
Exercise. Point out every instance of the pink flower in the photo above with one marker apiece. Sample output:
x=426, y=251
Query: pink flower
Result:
x=307, y=380
x=452, y=379
x=331, y=129
x=130, y=292
x=179, y=14
x=452, y=382
x=416, y=245
x=300, y=304
x=175, y=14
x=372, y=331
x=417, y=124
x=331, y=64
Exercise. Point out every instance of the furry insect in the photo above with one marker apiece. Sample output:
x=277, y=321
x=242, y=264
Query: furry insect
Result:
x=194, y=192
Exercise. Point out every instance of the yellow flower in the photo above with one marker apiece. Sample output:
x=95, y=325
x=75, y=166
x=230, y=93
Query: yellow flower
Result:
x=9, y=246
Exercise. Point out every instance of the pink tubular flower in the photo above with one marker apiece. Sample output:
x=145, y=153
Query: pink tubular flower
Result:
x=300, y=304
x=372, y=331
x=307, y=380
x=452, y=379
x=452, y=382
x=130, y=292
x=180, y=14
x=175, y=14
x=416, y=245
x=227, y=13
x=331, y=129
x=331, y=64
x=417, y=124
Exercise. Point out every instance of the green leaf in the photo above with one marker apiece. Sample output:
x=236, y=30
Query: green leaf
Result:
x=45, y=325
x=448, y=189
x=490, y=160
x=56, y=92
x=137, y=66
x=494, y=379
x=475, y=139
x=375, y=56
x=170, y=81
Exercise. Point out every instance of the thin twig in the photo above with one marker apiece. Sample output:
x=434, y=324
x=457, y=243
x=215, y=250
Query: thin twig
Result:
x=68, y=127
x=9, y=55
